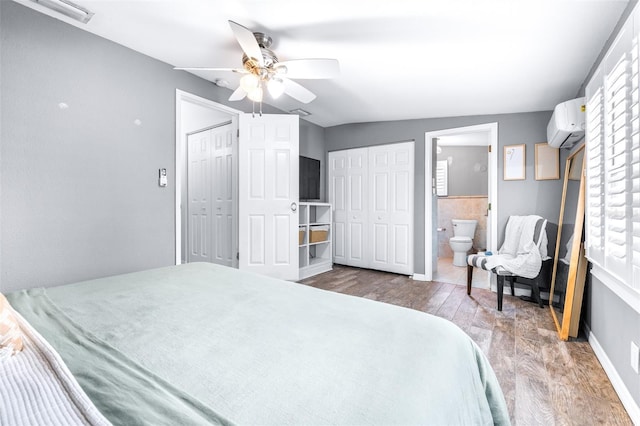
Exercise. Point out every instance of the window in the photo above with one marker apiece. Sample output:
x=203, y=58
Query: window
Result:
x=442, y=178
x=613, y=166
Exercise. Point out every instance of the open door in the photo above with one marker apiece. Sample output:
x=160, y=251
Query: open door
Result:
x=268, y=194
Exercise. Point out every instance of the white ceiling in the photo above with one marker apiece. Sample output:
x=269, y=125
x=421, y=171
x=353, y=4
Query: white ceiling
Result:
x=400, y=59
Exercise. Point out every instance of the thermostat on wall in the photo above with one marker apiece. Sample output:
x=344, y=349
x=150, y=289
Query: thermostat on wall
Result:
x=162, y=179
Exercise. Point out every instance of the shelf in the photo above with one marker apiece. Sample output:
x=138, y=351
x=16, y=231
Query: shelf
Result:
x=317, y=261
x=316, y=257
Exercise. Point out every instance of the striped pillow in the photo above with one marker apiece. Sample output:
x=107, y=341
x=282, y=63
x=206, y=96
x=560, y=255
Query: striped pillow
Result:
x=10, y=334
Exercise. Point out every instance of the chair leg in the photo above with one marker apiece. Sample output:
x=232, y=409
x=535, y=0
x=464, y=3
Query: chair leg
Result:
x=535, y=289
x=500, y=290
x=511, y=279
x=469, y=278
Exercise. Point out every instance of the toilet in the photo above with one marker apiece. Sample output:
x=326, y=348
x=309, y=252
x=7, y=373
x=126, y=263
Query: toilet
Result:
x=462, y=240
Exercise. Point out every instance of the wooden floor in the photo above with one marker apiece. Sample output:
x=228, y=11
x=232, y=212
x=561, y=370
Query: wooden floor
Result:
x=545, y=381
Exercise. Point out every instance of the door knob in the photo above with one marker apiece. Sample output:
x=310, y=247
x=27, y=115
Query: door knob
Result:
x=294, y=206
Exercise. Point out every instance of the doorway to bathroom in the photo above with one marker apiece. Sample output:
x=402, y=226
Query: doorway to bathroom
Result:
x=462, y=204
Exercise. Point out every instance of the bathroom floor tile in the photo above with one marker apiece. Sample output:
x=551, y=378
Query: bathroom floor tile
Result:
x=449, y=273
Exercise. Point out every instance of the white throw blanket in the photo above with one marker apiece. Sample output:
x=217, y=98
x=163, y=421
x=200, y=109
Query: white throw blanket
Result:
x=37, y=388
x=520, y=254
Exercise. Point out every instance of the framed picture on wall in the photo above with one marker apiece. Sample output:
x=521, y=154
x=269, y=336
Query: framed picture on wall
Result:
x=547, y=162
x=514, y=162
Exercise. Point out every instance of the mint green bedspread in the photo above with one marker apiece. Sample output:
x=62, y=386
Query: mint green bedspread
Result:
x=201, y=343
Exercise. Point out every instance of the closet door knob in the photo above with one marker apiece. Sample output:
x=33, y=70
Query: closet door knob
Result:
x=294, y=206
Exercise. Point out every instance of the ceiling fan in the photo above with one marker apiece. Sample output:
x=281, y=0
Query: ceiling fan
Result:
x=262, y=70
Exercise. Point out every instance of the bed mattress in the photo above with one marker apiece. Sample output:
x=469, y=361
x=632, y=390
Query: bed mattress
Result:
x=206, y=344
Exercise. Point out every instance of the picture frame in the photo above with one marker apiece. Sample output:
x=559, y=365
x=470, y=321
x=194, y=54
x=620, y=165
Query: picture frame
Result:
x=514, y=162
x=547, y=162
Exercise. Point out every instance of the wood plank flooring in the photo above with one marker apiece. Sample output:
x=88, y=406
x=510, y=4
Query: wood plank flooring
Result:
x=545, y=381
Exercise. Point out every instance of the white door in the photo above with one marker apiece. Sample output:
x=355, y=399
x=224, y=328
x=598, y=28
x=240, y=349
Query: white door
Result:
x=338, y=199
x=224, y=223
x=357, y=213
x=391, y=207
x=199, y=195
x=268, y=194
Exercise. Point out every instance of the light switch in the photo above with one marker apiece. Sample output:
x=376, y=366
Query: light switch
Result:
x=162, y=179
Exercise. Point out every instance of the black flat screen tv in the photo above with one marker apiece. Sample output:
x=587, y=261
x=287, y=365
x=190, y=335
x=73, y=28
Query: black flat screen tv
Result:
x=309, y=179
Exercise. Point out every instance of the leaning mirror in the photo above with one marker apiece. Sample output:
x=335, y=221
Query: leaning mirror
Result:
x=569, y=264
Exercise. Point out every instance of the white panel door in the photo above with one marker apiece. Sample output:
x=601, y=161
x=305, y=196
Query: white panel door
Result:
x=391, y=207
x=357, y=249
x=199, y=195
x=268, y=194
x=338, y=199
x=224, y=223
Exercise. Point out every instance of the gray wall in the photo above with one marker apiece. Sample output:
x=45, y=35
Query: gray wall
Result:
x=614, y=324
x=514, y=197
x=79, y=197
x=464, y=178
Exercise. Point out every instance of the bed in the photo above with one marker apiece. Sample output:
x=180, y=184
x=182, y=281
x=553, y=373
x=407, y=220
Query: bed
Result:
x=206, y=344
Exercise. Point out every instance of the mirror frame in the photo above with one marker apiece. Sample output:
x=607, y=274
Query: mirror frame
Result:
x=577, y=263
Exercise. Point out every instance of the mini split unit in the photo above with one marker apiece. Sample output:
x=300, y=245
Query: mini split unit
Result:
x=566, y=127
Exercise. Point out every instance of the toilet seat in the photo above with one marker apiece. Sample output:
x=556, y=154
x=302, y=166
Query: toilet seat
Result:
x=460, y=240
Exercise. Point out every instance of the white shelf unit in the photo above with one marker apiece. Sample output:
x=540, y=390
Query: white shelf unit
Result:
x=316, y=257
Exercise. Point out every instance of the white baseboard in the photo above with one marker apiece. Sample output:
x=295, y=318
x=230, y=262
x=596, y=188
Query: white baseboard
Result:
x=625, y=396
x=419, y=277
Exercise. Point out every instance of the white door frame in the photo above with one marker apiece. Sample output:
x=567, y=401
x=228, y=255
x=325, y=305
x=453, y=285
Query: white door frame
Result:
x=182, y=96
x=492, y=238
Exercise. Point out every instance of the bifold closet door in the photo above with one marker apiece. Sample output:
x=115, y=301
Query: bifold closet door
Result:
x=357, y=214
x=348, y=193
x=338, y=198
x=199, y=194
x=371, y=191
x=223, y=195
x=210, y=189
x=391, y=207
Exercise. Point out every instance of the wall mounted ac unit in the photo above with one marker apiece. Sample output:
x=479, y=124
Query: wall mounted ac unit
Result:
x=566, y=127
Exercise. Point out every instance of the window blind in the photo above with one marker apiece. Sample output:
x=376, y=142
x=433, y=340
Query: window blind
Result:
x=617, y=103
x=442, y=178
x=595, y=176
x=634, y=166
x=613, y=166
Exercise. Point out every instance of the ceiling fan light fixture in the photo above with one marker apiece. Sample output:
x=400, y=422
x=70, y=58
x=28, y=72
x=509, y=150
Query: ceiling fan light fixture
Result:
x=249, y=83
x=255, y=95
x=275, y=87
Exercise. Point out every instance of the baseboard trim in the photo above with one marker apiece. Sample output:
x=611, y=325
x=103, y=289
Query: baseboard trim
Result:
x=618, y=385
x=419, y=277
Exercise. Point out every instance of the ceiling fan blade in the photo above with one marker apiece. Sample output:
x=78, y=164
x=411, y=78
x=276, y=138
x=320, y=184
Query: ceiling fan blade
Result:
x=208, y=69
x=297, y=91
x=238, y=94
x=309, y=68
x=247, y=41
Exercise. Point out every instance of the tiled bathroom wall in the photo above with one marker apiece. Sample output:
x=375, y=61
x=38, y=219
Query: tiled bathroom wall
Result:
x=471, y=207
